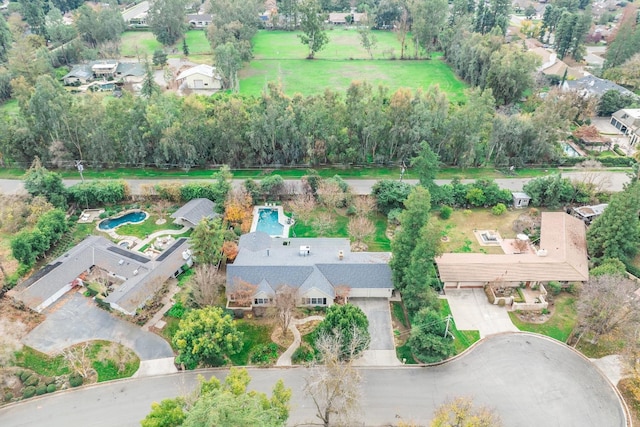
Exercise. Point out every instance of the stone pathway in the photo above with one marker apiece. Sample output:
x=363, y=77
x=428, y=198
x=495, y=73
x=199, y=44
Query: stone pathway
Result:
x=167, y=302
x=285, y=358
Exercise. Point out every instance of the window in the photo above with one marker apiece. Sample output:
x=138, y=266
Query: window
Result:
x=314, y=301
x=261, y=301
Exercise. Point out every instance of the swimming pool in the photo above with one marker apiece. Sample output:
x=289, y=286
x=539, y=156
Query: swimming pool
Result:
x=131, y=217
x=569, y=151
x=268, y=222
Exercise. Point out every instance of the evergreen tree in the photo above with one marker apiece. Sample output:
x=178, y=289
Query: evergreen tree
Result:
x=185, y=47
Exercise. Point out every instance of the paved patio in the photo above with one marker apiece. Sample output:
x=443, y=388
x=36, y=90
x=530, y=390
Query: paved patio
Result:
x=472, y=311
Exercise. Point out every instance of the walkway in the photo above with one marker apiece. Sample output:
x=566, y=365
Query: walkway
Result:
x=285, y=358
x=527, y=379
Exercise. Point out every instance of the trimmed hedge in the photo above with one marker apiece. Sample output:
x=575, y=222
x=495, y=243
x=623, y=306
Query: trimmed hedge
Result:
x=29, y=392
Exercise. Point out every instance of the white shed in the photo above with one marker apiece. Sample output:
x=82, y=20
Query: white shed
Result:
x=201, y=76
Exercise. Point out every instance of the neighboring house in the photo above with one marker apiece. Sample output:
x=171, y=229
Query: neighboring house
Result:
x=552, y=66
x=200, y=20
x=627, y=121
x=104, y=70
x=589, y=213
x=346, y=18
x=200, y=77
x=562, y=256
x=140, y=276
x=195, y=211
x=593, y=86
x=317, y=267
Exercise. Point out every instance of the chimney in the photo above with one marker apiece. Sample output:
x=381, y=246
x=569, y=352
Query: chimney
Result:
x=340, y=254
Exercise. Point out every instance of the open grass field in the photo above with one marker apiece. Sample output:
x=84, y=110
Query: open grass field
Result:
x=279, y=56
x=459, y=229
x=141, y=43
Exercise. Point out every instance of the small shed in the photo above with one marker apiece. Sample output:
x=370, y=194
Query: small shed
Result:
x=520, y=200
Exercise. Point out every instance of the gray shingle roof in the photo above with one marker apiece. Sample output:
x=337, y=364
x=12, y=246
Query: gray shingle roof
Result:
x=195, y=210
x=597, y=86
x=278, y=261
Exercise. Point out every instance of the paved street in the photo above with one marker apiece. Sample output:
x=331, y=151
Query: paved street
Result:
x=529, y=380
x=612, y=181
x=136, y=10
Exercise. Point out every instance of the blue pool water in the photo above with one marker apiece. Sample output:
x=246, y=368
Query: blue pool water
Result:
x=569, y=151
x=131, y=217
x=268, y=222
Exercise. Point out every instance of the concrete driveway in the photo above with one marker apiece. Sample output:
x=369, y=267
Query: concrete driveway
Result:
x=76, y=319
x=472, y=311
x=382, y=350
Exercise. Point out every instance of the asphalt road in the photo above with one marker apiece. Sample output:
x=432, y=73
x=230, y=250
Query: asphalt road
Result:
x=612, y=181
x=136, y=10
x=529, y=380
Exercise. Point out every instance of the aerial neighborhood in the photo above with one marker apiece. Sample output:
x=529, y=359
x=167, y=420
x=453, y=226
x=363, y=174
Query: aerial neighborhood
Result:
x=404, y=212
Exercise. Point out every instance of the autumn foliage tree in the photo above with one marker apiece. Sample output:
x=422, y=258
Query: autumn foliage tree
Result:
x=461, y=412
x=237, y=209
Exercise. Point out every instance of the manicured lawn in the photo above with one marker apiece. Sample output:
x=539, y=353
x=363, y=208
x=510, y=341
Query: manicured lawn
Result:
x=459, y=229
x=197, y=42
x=146, y=228
x=398, y=313
x=138, y=44
x=254, y=334
x=343, y=44
x=294, y=75
x=561, y=323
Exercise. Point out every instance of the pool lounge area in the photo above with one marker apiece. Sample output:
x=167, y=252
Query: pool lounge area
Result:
x=271, y=220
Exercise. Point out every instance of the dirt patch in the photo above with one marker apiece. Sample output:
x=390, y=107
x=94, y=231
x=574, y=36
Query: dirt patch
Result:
x=308, y=327
x=15, y=313
x=283, y=341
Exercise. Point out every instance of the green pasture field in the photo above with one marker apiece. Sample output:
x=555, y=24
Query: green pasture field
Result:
x=279, y=56
x=197, y=42
x=145, y=43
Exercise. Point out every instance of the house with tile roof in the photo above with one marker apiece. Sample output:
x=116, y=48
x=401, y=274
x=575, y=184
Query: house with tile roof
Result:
x=316, y=267
x=138, y=275
x=194, y=211
x=561, y=256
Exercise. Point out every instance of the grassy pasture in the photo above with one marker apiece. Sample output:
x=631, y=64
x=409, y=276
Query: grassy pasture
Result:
x=141, y=43
x=279, y=56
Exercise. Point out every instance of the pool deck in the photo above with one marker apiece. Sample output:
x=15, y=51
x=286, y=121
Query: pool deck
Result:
x=283, y=220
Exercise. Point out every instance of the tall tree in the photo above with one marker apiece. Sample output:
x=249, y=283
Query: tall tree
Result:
x=511, y=73
x=228, y=60
x=206, y=241
x=428, y=340
x=57, y=31
x=5, y=39
x=206, y=336
x=166, y=20
x=234, y=22
x=460, y=412
x=349, y=325
x=428, y=21
x=413, y=218
x=33, y=11
x=616, y=233
x=312, y=26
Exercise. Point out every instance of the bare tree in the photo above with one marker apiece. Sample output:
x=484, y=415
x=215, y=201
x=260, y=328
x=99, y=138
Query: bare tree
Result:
x=330, y=194
x=243, y=293
x=335, y=386
x=205, y=285
x=77, y=358
x=360, y=228
x=323, y=222
x=285, y=304
x=342, y=294
x=606, y=302
x=160, y=208
x=364, y=205
x=303, y=206
x=461, y=412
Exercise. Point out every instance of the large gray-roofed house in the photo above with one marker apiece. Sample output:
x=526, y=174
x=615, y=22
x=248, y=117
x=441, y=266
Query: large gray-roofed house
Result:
x=593, y=86
x=142, y=276
x=194, y=211
x=315, y=266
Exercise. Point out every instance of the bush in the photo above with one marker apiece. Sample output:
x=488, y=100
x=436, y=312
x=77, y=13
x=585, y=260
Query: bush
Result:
x=8, y=396
x=24, y=376
x=499, y=209
x=445, y=212
x=75, y=380
x=177, y=311
x=265, y=353
x=351, y=210
x=555, y=287
x=51, y=388
x=41, y=389
x=32, y=380
x=28, y=392
x=302, y=355
x=393, y=217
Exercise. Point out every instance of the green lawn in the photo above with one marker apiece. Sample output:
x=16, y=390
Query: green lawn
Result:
x=561, y=323
x=40, y=363
x=197, y=42
x=295, y=75
x=343, y=44
x=254, y=334
x=139, y=44
x=145, y=228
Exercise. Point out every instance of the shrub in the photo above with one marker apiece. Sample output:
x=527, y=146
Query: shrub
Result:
x=75, y=380
x=176, y=311
x=555, y=287
x=8, y=396
x=51, y=388
x=467, y=212
x=302, y=355
x=351, y=210
x=394, y=216
x=501, y=302
x=41, y=389
x=32, y=380
x=28, y=392
x=445, y=212
x=499, y=209
x=265, y=353
x=24, y=376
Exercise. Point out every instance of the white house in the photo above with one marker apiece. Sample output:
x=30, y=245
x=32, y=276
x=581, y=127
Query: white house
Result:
x=200, y=77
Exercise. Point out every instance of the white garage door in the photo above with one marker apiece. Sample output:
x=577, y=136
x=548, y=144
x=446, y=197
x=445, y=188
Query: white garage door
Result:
x=198, y=84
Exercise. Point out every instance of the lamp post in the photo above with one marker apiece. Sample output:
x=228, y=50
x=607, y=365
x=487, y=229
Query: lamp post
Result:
x=80, y=168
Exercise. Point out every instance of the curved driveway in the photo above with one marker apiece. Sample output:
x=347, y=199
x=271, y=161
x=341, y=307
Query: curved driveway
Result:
x=528, y=379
